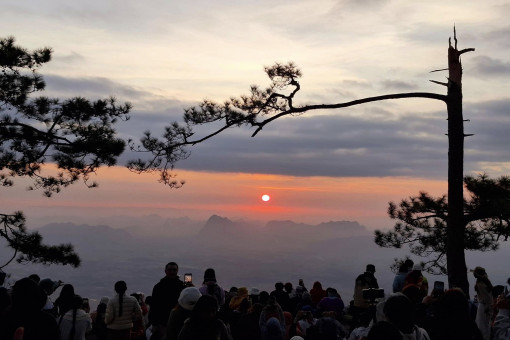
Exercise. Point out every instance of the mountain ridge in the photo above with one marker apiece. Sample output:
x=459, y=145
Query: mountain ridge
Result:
x=255, y=255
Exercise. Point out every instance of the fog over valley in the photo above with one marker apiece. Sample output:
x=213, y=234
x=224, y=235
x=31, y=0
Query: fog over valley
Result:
x=243, y=253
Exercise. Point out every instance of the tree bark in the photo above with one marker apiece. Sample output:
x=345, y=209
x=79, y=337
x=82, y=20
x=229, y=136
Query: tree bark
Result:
x=456, y=261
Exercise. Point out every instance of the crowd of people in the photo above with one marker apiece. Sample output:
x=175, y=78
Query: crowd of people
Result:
x=177, y=310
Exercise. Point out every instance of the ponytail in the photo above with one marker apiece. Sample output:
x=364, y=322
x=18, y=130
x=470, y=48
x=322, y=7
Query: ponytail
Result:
x=77, y=304
x=120, y=288
x=73, y=328
x=121, y=298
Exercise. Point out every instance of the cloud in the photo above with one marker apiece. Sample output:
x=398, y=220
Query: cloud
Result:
x=343, y=5
x=489, y=123
x=99, y=87
x=164, y=55
x=90, y=86
x=490, y=67
x=397, y=84
x=427, y=32
x=361, y=141
x=374, y=143
x=150, y=112
x=499, y=36
x=71, y=58
x=356, y=83
x=323, y=145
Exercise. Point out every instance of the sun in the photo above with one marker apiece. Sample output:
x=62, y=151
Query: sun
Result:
x=266, y=198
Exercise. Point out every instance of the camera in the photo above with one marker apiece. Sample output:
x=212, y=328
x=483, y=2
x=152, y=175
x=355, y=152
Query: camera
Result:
x=373, y=294
x=188, y=278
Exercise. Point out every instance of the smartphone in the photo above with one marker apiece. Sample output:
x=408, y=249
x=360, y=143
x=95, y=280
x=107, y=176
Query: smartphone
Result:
x=188, y=278
x=439, y=286
x=301, y=282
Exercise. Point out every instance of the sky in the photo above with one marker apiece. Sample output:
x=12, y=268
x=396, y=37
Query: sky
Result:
x=165, y=56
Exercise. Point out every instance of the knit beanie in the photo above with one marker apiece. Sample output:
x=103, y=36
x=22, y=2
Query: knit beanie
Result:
x=189, y=297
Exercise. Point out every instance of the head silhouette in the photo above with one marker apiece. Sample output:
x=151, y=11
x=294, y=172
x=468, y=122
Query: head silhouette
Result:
x=205, y=310
x=400, y=312
x=120, y=287
x=171, y=269
x=209, y=275
x=27, y=295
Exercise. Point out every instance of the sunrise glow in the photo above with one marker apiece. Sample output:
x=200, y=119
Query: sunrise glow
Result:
x=313, y=168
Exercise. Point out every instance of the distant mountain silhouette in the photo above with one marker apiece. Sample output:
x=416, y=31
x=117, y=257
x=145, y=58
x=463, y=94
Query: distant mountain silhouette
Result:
x=250, y=235
x=155, y=226
x=60, y=232
x=243, y=253
x=89, y=239
x=217, y=225
x=346, y=226
x=320, y=231
x=285, y=224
